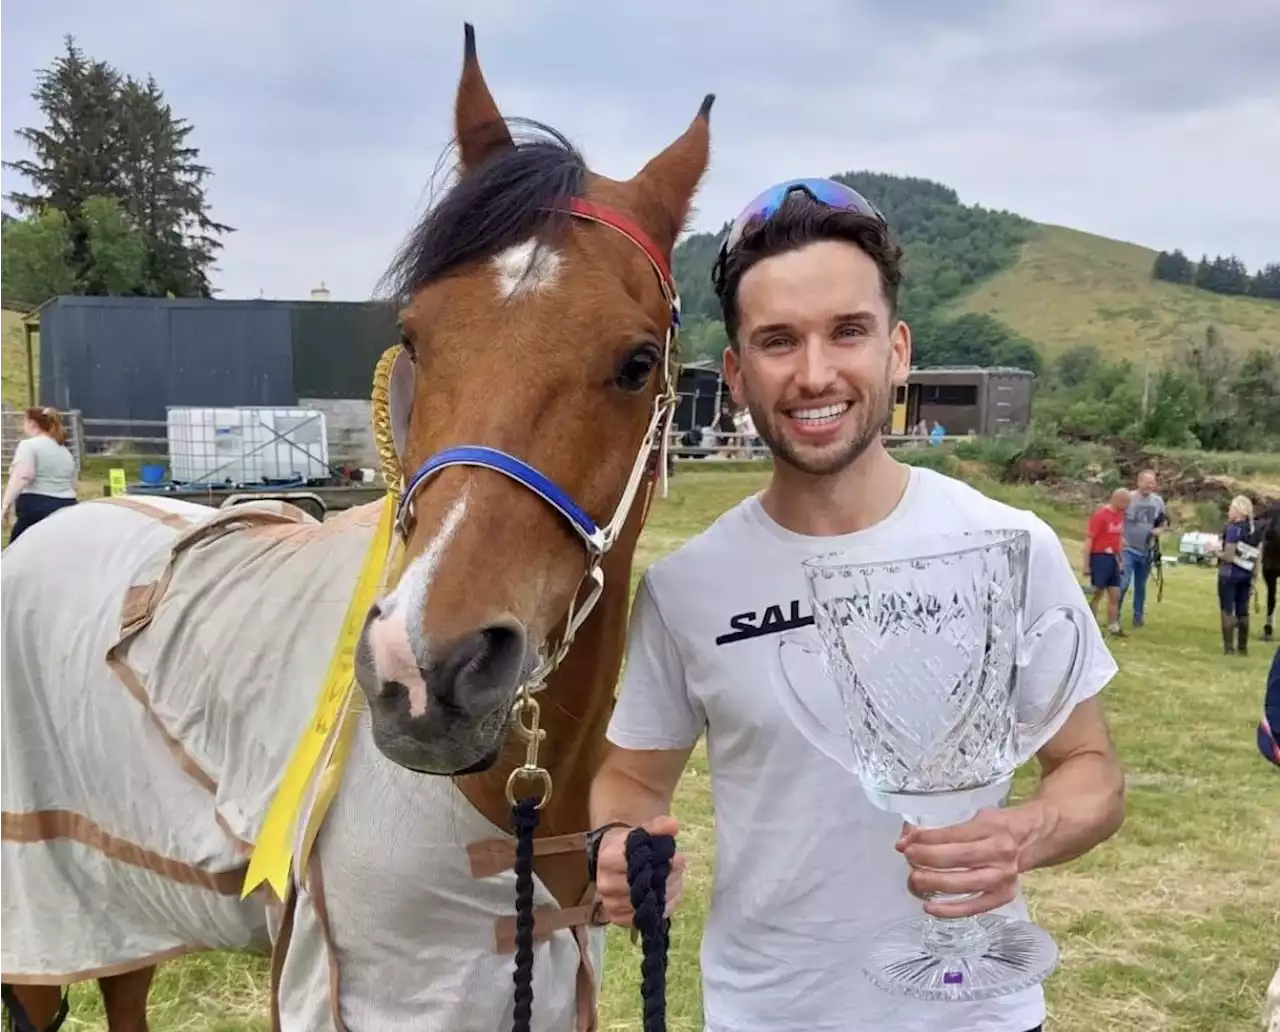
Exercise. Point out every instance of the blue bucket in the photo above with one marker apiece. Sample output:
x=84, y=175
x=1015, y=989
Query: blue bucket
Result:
x=152, y=474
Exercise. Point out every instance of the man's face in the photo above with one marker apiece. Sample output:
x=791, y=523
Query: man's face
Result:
x=818, y=355
x=1146, y=482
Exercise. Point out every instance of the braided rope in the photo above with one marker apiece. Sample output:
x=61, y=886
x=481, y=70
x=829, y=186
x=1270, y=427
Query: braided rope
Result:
x=648, y=865
x=524, y=815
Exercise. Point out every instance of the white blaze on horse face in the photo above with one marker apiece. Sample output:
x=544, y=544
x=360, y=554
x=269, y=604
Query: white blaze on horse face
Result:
x=527, y=268
x=396, y=638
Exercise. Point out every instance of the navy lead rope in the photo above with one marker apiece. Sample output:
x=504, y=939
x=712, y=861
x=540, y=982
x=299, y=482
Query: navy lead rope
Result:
x=648, y=864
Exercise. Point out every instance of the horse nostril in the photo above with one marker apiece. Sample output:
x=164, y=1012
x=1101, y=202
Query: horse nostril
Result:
x=480, y=670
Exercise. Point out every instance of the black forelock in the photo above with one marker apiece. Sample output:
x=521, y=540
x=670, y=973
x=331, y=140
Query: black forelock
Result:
x=512, y=196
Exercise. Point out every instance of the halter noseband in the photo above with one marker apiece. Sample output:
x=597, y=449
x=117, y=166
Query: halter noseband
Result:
x=597, y=539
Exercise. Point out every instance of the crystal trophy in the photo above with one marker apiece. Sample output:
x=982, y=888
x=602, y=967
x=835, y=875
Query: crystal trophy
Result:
x=928, y=646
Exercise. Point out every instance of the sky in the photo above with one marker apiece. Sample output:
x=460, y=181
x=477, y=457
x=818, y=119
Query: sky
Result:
x=1151, y=121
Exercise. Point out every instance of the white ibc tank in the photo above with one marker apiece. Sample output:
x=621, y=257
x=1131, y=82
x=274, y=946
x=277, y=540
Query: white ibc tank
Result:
x=246, y=445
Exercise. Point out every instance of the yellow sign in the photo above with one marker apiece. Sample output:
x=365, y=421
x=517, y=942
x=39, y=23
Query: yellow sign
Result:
x=273, y=852
x=117, y=482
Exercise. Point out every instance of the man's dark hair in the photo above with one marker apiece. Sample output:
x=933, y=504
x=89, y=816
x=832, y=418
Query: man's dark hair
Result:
x=800, y=221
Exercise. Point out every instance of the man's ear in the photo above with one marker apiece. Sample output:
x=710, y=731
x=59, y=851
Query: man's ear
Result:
x=732, y=365
x=900, y=342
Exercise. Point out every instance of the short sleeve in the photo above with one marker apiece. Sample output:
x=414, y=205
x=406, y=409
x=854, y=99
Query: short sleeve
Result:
x=1051, y=583
x=653, y=709
x=25, y=452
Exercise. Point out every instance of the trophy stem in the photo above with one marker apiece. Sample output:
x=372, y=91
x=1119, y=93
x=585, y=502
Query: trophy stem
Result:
x=954, y=936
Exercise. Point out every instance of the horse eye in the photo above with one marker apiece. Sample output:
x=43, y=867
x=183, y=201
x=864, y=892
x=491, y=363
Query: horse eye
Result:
x=634, y=372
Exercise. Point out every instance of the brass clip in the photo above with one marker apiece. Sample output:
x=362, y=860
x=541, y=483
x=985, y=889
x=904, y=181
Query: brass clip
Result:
x=533, y=736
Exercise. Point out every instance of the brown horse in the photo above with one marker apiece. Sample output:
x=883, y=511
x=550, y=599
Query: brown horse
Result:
x=537, y=313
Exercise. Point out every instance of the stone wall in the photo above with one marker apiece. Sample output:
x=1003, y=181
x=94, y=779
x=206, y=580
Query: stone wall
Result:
x=349, y=424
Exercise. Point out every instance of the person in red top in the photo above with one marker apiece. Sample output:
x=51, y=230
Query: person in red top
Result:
x=1104, y=556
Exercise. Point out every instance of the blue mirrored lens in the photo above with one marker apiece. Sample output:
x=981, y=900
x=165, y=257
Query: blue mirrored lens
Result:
x=824, y=191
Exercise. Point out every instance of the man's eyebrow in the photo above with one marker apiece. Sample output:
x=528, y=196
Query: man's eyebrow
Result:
x=862, y=315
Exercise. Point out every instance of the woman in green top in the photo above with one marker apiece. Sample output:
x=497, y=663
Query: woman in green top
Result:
x=42, y=477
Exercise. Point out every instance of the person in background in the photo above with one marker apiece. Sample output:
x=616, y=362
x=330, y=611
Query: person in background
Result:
x=42, y=476
x=1104, y=556
x=1271, y=566
x=1143, y=522
x=937, y=433
x=1237, y=565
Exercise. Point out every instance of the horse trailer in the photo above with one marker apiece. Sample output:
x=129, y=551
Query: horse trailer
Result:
x=965, y=400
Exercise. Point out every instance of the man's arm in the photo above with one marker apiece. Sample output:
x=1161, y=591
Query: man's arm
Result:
x=1078, y=804
x=654, y=727
x=1080, y=800
x=634, y=787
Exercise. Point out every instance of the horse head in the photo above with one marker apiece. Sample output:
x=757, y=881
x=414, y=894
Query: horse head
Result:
x=537, y=312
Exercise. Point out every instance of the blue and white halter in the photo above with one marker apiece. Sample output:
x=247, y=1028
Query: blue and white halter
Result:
x=597, y=539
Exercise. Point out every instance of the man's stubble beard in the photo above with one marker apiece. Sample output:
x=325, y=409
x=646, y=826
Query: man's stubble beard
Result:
x=868, y=430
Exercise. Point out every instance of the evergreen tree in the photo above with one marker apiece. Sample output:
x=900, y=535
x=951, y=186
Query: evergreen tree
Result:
x=163, y=189
x=76, y=153
x=117, y=138
x=1266, y=282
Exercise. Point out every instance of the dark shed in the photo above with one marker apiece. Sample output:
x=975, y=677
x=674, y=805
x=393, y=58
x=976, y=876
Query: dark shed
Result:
x=127, y=359
x=699, y=388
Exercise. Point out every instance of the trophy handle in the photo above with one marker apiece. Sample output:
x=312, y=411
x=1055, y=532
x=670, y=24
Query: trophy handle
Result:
x=820, y=736
x=1028, y=642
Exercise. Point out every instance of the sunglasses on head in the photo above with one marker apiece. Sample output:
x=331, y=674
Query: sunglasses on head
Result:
x=824, y=191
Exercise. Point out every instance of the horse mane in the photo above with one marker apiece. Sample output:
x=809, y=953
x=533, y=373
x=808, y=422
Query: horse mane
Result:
x=512, y=196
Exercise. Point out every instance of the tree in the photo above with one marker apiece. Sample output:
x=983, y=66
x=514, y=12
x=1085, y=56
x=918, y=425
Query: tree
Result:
x=76, y=153
x=1266, y=282
x=1077, y=365
x=974, y=338
x=164, y=192
x=36, y=260
x=117, y=138
x=1173, y=267
x=117, y=250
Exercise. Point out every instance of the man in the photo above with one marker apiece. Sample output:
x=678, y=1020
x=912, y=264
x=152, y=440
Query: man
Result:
x=1104, y=556
x=1144, y=521
x=806, y=869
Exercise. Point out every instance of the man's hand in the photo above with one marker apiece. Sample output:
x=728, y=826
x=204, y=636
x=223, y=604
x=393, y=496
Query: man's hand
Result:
x=984, y=855
x=611, y=871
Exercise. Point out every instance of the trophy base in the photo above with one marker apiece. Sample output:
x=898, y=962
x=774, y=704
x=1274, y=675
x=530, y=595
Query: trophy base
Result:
x=975, y=958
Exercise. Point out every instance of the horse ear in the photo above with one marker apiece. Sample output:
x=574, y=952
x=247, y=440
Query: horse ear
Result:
x=479, y=125
x=670, y=179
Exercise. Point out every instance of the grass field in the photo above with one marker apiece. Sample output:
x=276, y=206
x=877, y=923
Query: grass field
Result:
x=13, y=360
x=1070, y=288
x=1171, y=925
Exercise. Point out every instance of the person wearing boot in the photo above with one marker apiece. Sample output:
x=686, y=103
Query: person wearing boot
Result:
x=1271, y=567
x=1236, y=567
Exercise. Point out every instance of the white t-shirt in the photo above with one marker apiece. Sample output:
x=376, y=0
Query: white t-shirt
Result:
x=806, y=869
x=53, y=464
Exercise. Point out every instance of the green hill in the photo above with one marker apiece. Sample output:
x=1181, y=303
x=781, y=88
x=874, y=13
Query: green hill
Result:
x=1054, y=288
x=13, y=360
x=1069, y=288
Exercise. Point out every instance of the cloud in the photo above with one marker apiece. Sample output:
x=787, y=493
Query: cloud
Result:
x=1157, y=122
